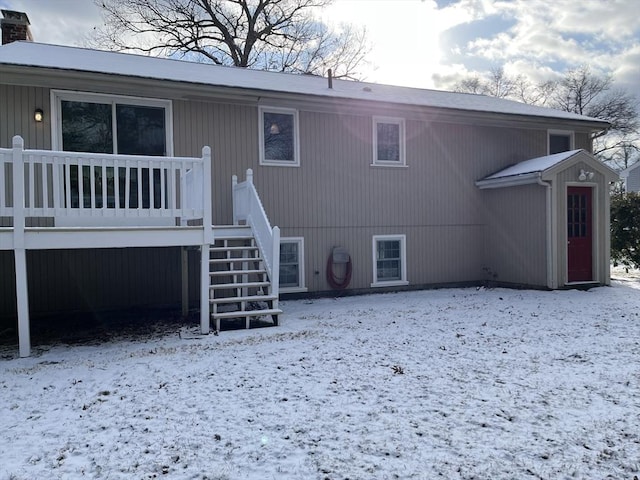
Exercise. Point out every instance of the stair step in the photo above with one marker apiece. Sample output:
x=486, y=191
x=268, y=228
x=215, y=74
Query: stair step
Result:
x=248, y=298
x=248, y=313
x=235, y=260
x=232, y=232
x=227, y=286
x=233, y=249
x=224, y=273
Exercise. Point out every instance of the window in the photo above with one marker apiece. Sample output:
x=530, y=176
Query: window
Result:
x=389, y=260
x=560, y=141
x=388, y=141
x=292, y=265
x=279, y=137
x=93, y=123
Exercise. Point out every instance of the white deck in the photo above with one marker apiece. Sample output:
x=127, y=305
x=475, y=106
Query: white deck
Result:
x=117, y=201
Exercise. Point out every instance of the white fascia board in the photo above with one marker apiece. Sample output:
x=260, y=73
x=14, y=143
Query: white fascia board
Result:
x=513, y=181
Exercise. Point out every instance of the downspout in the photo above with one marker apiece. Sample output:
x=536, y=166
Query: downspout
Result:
x=549, y=226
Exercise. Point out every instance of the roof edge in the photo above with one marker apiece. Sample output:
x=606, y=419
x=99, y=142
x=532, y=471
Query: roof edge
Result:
x=512, y=181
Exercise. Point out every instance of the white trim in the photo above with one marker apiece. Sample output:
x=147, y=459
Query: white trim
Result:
x=565, y=133
x=403, y=260
x=296, y=137
x=301, y=276
x=402, y=161
x=56, y=113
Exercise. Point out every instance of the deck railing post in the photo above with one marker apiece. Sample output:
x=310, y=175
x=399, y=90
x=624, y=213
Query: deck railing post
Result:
x=234, y=200
x=22, y=296
x=275, y=266
x=207, y=240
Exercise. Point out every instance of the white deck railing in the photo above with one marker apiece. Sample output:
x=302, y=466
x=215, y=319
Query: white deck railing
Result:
x=248, y=208
x=70, y=185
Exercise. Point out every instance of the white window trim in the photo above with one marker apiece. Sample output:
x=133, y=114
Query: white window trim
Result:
x=403, y=261
x=296, y=137
x=301, y=285
x=386, y=163
x=56, y=108
x=566, y=133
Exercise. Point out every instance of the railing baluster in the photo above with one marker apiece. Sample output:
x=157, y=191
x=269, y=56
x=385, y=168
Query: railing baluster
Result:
x=31, y=183
x=105, y=197
x=139, y=180
x=127, y=186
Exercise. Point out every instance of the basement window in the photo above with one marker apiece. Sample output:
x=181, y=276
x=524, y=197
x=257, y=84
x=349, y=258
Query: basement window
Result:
x=278, y=132
x=389, y=260
x=292, y=265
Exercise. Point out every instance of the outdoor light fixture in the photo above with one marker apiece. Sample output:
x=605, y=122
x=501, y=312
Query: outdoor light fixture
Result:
x=584, y=175
x=38, y=115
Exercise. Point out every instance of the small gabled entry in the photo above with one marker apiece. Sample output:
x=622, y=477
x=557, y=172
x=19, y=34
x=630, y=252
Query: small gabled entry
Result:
x=579, y=234
x=566, y=196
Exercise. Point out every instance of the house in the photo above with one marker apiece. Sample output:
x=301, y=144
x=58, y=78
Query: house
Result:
x=631, y=177
x=373, y=187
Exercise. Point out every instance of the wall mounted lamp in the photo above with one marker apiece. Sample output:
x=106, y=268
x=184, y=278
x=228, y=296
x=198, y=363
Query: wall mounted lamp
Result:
x=38, y=115
x=584, y=175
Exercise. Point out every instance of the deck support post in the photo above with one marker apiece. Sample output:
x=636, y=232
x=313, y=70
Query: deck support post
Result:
x=184, y=258
x=19, y=252
x=207, y=240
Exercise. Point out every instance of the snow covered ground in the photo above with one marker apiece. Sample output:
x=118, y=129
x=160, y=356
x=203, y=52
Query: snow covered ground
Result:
x=456, y=383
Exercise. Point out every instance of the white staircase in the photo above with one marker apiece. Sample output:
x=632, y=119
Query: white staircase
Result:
x=239, y=283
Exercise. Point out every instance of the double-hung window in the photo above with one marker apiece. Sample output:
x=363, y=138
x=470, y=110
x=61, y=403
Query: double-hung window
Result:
x=278, y=130
x=93, y=123
x=388, y=141
x=389, y=260
x=292, y=264
x=560, y=141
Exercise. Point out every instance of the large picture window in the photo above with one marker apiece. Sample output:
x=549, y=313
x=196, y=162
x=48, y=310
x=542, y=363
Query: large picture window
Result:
x=388, y=141
x=389, y=260
x=279, y=137
x=109, y=124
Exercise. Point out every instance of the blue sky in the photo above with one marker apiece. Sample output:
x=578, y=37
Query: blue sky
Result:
x=433, y=44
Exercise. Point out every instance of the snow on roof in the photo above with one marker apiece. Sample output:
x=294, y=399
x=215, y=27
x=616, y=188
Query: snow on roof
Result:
x=533, y=165
x=86, y=60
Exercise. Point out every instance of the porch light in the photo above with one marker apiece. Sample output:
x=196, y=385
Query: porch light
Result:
x=584, y=175
x=38, y=115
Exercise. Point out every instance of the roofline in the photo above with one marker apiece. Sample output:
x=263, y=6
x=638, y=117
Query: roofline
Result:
x=225, y=92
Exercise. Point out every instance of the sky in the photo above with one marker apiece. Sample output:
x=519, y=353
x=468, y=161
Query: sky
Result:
x=435, y=43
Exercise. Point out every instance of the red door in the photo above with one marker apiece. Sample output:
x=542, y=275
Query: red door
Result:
x=579, y=234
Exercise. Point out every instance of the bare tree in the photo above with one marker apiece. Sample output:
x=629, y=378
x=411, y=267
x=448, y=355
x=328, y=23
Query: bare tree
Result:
x=278, y=35
x=578, y=91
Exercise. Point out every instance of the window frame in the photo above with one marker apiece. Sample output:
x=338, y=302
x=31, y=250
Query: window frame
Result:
x=403, y=260
x=402, y=161
x=301, y=275
x=57, y=96
x=296, y=137
x=565, y=133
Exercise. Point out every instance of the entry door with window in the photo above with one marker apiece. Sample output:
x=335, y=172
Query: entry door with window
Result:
x=579, y=234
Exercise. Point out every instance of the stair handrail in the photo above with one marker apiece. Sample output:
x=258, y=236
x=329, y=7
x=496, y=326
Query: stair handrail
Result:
x=248, y=208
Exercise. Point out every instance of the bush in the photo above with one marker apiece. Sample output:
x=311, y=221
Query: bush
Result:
x=625, y=229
